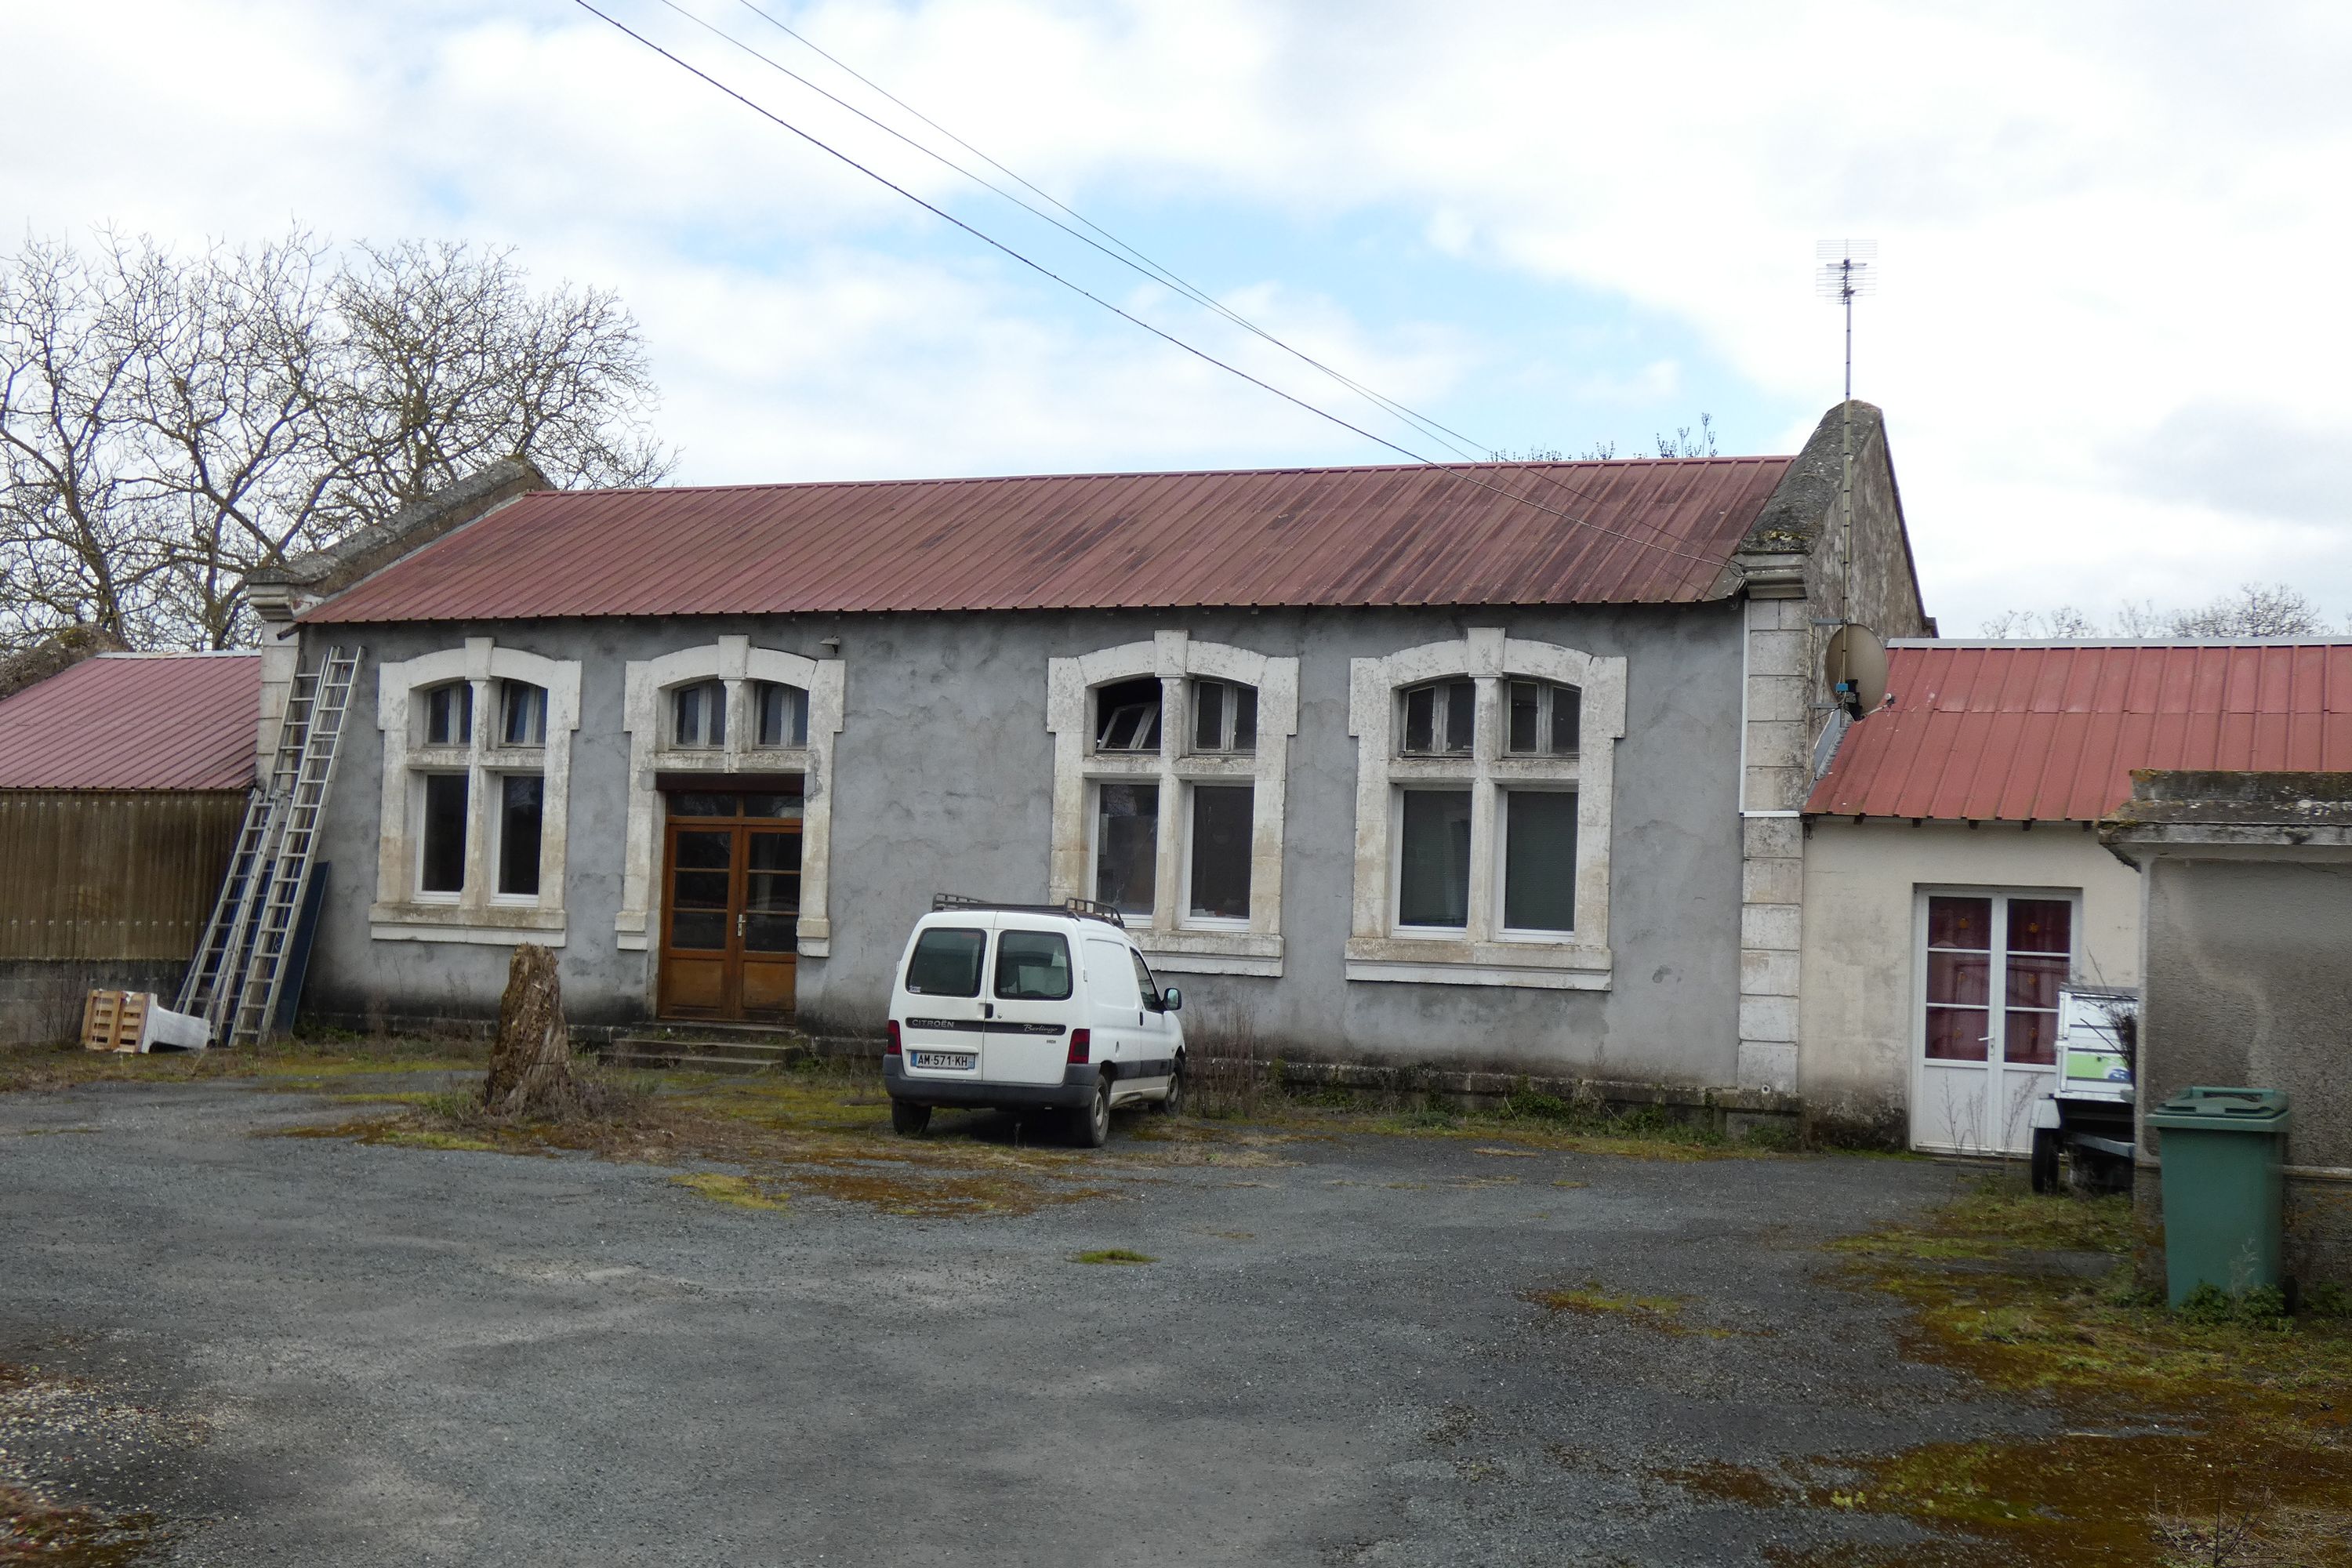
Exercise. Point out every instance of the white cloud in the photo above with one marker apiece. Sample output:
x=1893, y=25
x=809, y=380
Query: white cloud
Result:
x=2104, y=227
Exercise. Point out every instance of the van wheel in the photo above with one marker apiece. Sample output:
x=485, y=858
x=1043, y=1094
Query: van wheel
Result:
x=2044, y=1164
x=1091, y=1126
x=909, y=1120
x=1173, y=1105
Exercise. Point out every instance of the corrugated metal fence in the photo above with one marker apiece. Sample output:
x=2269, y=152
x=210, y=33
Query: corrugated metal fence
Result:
x=112, y=874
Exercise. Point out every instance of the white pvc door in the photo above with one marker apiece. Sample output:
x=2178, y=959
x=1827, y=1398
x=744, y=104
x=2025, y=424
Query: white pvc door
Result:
x=1989, y=968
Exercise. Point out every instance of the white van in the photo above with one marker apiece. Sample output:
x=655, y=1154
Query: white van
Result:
x=1023, y=1006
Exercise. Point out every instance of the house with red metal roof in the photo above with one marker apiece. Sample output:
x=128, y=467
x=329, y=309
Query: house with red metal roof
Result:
x=1953, y=876
x=1488, y=766
x=122, y=779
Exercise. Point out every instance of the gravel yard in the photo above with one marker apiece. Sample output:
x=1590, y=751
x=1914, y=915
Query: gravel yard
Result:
x=1350, y=1348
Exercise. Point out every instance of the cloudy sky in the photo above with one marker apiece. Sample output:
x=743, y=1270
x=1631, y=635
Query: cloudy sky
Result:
x=2113, y=237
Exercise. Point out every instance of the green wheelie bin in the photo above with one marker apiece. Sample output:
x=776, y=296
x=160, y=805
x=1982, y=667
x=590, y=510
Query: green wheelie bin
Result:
x=2222, y=1152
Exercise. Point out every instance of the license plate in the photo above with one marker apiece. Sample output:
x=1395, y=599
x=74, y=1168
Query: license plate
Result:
x=962, y=1060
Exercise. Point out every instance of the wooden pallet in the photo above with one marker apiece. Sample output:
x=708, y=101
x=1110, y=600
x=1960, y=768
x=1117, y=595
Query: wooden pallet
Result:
x=114, y=1020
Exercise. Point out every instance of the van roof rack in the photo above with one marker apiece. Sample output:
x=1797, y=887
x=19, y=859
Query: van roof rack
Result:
x=1084, y=909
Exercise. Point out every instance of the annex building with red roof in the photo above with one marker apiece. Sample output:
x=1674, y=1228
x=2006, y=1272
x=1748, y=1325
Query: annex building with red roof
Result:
x=1953, y=874
x=1491, y=766
x=124, y=777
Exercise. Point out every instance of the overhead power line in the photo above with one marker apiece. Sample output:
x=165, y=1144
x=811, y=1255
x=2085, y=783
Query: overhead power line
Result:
x=1457, y=469
x=1126, y=254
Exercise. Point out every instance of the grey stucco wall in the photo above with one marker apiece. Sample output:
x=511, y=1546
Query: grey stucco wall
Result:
x=2248, y=981
x=943, y=779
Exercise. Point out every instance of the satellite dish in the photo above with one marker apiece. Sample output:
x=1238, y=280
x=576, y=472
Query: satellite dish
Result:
x=1854, y=668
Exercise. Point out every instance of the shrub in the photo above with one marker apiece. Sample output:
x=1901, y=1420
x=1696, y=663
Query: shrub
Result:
x=2260, y=1307
x=2329, y=1301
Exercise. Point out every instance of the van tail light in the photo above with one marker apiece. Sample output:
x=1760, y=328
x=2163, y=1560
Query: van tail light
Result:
x=891, y=1045
x=1082, y=1046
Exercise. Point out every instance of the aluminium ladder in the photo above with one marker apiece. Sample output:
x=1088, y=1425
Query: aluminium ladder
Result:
x=239, y=972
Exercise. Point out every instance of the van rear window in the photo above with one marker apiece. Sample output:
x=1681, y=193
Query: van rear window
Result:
x=945, y=962
x=1032, y=966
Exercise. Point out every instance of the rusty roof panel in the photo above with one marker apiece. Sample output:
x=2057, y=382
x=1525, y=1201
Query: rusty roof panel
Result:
x=135, y=720
x=2051, y=733
x=1651, y=531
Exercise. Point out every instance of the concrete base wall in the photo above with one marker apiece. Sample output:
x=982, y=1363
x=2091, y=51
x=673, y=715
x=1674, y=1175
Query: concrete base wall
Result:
x=41, y=999
x=1859, y=996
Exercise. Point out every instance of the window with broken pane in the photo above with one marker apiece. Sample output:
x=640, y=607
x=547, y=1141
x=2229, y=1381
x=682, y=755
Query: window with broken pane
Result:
x=698, y=714
x=1439, y=719
x=1126, y=845
x=1542, y=719
x=1127, y=716
x=1224, y=716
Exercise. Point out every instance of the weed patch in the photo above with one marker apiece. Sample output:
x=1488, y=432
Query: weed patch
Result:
x=34, y=1531
x=2220, y=1436
x=740, y=1190
x=820, y=1132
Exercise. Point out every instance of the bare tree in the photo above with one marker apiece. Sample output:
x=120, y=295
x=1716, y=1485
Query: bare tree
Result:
x=169, y=423
x=2255, y=610
x=1682, y=443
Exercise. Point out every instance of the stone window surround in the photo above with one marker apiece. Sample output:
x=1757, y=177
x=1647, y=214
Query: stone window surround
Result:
x=733, y=661
x=476, y=914
x=1169, y=942
x=1482, y=955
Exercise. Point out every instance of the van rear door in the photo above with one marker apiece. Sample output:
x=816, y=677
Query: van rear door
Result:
x=1033, y=987
x=942, y=1032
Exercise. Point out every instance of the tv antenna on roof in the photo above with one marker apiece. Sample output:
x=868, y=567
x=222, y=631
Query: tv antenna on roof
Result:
x=1849, y=269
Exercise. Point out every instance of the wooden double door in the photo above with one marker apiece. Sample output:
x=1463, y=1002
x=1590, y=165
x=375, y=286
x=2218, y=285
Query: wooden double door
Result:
x=730, y=920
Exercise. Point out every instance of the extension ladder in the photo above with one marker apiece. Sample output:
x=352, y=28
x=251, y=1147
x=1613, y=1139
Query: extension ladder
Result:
x=236, y=978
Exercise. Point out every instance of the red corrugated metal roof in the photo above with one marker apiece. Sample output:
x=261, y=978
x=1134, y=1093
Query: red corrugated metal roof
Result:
x=135, y=722
x=1397, y=535
x=2018, y=732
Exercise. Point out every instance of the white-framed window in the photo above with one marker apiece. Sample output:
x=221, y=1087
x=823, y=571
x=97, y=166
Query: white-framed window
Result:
x=448, y=712
x=728, y=708
x=1484, y=783
x=477, y=771
x=1224, y=717
x=783, y=714
x=523, y=713
x=1168, y=779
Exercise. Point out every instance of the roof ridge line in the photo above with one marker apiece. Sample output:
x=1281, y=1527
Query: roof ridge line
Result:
x=1170, y=474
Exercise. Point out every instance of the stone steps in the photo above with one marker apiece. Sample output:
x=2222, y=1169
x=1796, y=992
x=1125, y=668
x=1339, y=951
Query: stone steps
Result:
x=708, y=1048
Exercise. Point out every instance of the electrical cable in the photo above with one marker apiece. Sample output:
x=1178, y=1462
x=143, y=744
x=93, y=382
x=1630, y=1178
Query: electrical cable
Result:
x=1462, y=445
x=1453, y=468
x=1134, y=260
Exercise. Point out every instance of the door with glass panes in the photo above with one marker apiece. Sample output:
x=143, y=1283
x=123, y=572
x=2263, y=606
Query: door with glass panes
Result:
x=1989, y=966
x=731, y=914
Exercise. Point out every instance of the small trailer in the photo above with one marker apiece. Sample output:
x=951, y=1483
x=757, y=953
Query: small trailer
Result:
x=2088, y=1118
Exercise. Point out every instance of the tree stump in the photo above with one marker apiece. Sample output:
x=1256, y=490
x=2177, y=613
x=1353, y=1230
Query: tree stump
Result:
x=530, y=1064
